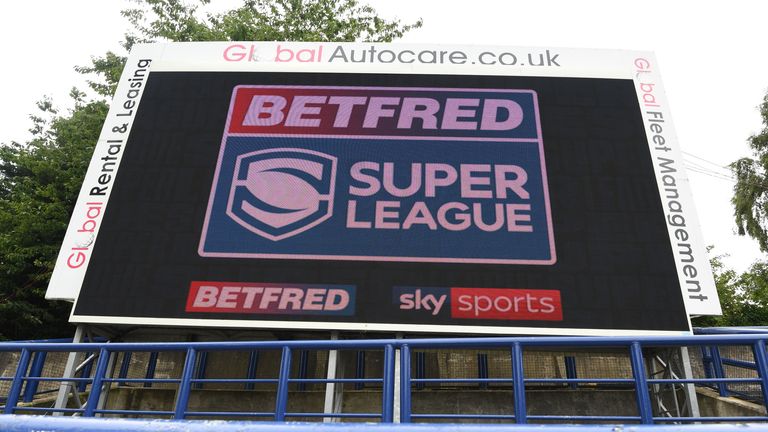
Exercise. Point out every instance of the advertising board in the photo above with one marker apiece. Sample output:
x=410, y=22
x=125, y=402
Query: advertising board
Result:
x=387, y=187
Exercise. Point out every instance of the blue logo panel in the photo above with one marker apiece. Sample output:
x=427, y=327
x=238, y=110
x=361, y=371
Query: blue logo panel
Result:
x=398, y=200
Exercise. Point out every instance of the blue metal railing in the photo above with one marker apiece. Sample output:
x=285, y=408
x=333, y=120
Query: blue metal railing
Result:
x=32, y=423
x=713, y=362
x=409, y=350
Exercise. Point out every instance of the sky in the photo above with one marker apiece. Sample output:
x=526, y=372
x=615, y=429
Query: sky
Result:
x=713, y=57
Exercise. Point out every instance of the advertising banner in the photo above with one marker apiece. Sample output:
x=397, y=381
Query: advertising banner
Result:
x=387, y=187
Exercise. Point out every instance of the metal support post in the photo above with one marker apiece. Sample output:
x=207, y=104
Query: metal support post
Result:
x=69, y=372
x=281, y=403
x=388, y=385
x=691, y=400
x=396, y=387
x=405, y=384
x=330, y=388
x=182, y=397
x=518, y=381
x=644, y=407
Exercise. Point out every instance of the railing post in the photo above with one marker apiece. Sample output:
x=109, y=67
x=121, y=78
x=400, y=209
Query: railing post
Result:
x=151, y=365
x=761, y=361
x=98, y=376
x=85, y=372
x=570, y=370
x=641, y=383
x=281, y=403
x=182, y=397
x=18, y=381
x=202, y=365
x=421, y=366
x=706, y=359
x=253, y=365
x=303, y=369
x=717, y=365
x=38, y=360
x=125, y=365
x=518, y=381
x=359, y=369
x=388, y=385
x=482, y=369
x=405, y=384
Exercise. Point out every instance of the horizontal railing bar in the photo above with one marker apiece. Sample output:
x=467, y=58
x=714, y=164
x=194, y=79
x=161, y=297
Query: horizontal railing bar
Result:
x=702, y=380
x=461, y=380
x=739, y=363
x=731, y=330
x=64, y=410
x=235, y=380
x=744, y=395
x=337, y=415
x=232, y=413
x=137, y=412
x=336, y=380
x=527, y=380
x=583, y=418
x=465, y=416
x=448, y=343
x=141, y=380
x=30, y=378
x=580, y=380
x=712, y=419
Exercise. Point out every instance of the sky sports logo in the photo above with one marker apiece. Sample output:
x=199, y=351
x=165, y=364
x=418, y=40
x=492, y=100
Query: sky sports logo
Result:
x=325, y=53
x=381, y=173
x=480, y=303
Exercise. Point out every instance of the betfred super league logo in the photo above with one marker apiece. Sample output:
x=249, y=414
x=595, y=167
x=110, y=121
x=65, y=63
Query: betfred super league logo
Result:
x=278, y=193
x=381, y=174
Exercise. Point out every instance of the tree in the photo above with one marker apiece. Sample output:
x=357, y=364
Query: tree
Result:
x=750, y=194
x=255, y=20
x=39, y=183
x=743, y=297
x=40, y=179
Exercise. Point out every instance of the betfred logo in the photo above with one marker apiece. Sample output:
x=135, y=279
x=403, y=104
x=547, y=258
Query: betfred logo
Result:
x=279, y=193
x=270, y=298
x=480, y=303
x=381, y=174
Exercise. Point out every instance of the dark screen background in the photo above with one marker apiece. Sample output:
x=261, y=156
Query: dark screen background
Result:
x=614, y=269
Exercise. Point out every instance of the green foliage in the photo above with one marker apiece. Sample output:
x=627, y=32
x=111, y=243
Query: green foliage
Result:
x=744, y=297
x=750, y=194
x=40, y=180
x=255, y=20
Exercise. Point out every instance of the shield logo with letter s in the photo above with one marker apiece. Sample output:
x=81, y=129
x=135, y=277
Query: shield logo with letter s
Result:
x=279, y=193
